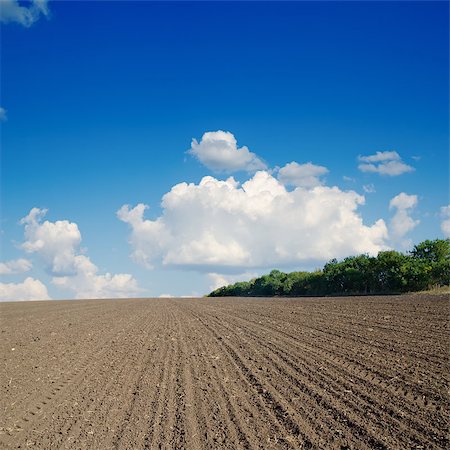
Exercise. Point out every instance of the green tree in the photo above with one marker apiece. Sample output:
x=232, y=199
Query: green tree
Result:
x=428, y=264
x=390, y=271
x=433, y=251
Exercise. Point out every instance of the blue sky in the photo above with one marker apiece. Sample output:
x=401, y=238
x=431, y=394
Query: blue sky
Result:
x=101, y=101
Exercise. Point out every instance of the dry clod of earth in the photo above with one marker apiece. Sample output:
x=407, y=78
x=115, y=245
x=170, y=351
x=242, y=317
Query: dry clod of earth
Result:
x=330, y=373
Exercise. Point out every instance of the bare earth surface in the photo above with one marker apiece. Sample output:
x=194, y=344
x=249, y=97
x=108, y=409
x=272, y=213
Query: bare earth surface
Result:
x=355, y=372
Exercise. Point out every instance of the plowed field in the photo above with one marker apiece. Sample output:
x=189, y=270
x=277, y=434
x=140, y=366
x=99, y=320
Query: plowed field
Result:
x=354, y=372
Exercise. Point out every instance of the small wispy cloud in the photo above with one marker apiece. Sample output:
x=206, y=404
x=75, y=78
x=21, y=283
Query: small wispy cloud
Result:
x=15, y=266
x=219, y=280
x=445, y=224
x=2, y=114
x=384, y=163
x=369, y=188
x=12, y=12
x=381, y=156
x=306, y=175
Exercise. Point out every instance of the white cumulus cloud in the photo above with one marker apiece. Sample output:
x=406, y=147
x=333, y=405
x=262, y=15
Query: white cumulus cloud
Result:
x=15, y=266
x=218, y=151
x=445, y=224
x=302, y=175
x=401, y=222
x=12, y=11
x=57, y=243
x=403, y=201
x=30, y=289
x=220, y=227
x=86, y=283
x=384, y=163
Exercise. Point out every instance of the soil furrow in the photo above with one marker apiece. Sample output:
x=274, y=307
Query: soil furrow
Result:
x=400, y=413
x=226, y=373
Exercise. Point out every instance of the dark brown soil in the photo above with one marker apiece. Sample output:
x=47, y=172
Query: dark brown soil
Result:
x=331, y=373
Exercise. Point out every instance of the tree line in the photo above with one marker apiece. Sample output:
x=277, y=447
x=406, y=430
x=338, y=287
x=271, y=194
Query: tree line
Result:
x=427, y=265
